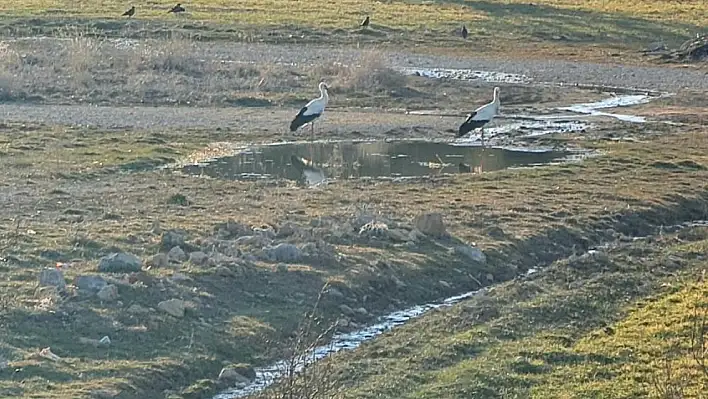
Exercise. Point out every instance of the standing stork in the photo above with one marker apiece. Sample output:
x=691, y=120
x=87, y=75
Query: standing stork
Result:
x=464, y=32
x=480, y=117
x=365, y=23
x=313, y=110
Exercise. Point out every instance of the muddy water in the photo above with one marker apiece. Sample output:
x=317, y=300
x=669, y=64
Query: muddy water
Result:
x=314, y=162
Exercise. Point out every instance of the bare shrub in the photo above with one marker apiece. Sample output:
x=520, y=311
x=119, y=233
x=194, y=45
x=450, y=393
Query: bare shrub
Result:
x=371, y=75
x=305, y=374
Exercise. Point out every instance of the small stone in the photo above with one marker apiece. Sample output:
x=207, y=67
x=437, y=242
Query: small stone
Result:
x=471, y=252
x=283, y=252
x=281, y=268
x=4, y=363
x=119, y=263
x=399, y=284
x=444, y=283
x=171, y=239
x=431, y=224
x=286, y=230
x=109, y=293
x=335, y=293
x=398, y=235
x=489, y=277
x=346, y=310
x=52, y=278
x=362, y=311
x=159, y=260
x=232, y=377
x=176, y=254
x=174, y=307
x=198, y=258
x=89, y=284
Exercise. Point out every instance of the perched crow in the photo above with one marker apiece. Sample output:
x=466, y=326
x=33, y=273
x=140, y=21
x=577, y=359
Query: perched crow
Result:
x=176, y=9
x=129, y=13
x=464, y=32
x=365, y=22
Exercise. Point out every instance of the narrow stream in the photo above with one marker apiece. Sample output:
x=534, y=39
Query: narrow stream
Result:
x=267, y=375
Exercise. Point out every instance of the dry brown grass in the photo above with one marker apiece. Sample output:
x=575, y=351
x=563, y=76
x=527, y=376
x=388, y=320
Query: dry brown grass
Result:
x=81, y=66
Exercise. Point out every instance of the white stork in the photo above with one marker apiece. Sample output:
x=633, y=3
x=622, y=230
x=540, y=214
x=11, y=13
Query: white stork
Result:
x=480, y=117
x=313, y=110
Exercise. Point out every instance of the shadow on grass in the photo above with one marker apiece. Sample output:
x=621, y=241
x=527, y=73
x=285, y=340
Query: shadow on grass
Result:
x=578, y=26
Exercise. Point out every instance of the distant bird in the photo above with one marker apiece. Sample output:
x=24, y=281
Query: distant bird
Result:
x=464, y=168
x=176, y=9
x=480, y=117
x=129, y=13
x=365, y=22
x=313, y=110
x=464, y=32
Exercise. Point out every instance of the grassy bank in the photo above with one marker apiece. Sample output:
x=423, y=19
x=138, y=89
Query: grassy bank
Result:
x=620, y=322
x=74, y=195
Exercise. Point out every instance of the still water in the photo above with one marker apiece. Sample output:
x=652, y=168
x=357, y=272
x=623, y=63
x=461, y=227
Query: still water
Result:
x=317, y=161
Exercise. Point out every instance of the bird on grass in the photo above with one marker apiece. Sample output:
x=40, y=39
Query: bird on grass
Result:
x=176, y=9
x=480, y=117
x=313, y=110
x=365, y=22
x=129, y=13
x=464, y=32
x=464, y=168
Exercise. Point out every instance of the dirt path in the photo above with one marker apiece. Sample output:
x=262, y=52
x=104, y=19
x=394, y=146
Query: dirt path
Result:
x=650, y=78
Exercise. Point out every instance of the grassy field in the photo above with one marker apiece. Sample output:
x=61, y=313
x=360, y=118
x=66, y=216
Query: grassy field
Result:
x=566, y=29
x=619, y=323
x=109, y=198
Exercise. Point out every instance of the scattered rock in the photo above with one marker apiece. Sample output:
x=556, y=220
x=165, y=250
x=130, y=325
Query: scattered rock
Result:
x=174, y=307
x=398, y=235
x=159, y=260
x=52, y=278
x=198, y=258
x=232, y=377
x=265, y=231
x=232, y=229
x=286, y=230
x=495, y=232
x=104, y=393
x=252, y=240
x=109, y=293
x=431, y=224
x=471, y=252
x=105, y=341
x=119, y=263
x=4, y=363
x=346, y=310
x=245, y=370
x=335, y=293
x=399, y=284
x=180, y=277
x=281, y=268
x=89, y=284
x=283, y=252
x=171, y=239
x=362, y=311
x=225, y=271
x=444, y=283
x=489, y=277
x=176, y=254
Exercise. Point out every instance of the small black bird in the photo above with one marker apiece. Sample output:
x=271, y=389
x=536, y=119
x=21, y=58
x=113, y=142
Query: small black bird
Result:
x=365, y=22
x=129, y=13
x=176, y=9
x=464, y=32
x=464, y=168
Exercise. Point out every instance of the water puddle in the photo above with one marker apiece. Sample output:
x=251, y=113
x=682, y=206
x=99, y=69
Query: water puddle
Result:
x=465, y=74
x=317, y=162
x=612, y=102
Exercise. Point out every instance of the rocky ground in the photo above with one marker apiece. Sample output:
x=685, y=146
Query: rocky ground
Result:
x=151, y=281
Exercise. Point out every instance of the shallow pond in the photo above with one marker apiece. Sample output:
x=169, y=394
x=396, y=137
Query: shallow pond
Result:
x=314, y=162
